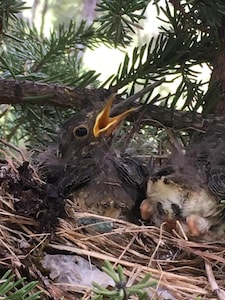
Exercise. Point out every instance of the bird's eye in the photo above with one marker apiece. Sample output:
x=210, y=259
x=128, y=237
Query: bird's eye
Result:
x=80, y=131
x=176, y=210
x=160, y=208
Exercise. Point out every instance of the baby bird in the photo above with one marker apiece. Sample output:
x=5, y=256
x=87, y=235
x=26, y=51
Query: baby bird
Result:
x=85, y=164
x=190, y=188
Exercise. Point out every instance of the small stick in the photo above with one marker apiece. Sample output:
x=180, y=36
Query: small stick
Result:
x=213, y=284
x=13, y=147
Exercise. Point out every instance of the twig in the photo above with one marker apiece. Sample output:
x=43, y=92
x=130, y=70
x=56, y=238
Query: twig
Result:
x=158, y=245
x=14, y=148
x=124, y=104
x=145, y=90
x=213, y=284
x=181, y=230
x=125, y=249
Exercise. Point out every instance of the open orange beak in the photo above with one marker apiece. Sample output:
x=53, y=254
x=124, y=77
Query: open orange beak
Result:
x=104, y=124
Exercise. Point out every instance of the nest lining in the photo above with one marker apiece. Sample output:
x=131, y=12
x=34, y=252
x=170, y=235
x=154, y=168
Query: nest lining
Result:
x=187, y=269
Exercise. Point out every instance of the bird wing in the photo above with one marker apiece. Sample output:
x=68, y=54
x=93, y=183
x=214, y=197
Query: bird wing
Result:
x=76, y=176
x=132, y=171
x=209, y=152
x=216, y=181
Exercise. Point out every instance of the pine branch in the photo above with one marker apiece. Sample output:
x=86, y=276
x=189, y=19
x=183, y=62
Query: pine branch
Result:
x=204, y=15
x=28, y=92
x=171, y=55
x=159, y=116
x=50, y=59
x=164, y=55
x=8, y=11
x=119, y=19
x=179, y=47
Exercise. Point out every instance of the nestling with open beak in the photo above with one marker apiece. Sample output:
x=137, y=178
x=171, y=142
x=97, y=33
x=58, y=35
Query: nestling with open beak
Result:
x=85, y=164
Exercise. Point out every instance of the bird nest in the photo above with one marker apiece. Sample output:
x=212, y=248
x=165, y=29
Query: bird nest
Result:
x=183, y=268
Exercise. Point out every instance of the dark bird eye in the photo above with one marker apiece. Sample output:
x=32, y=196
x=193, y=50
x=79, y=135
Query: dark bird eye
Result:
x=80, y=131
x=176, y=210
x=160, y=208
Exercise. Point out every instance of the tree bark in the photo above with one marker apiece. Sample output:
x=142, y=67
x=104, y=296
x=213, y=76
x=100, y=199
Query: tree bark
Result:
x=218, y=75
x=29, y=92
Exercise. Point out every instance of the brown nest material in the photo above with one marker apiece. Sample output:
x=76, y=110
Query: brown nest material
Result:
x=184, y=268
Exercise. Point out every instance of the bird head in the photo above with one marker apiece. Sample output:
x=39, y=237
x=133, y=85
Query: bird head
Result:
x=84, y=130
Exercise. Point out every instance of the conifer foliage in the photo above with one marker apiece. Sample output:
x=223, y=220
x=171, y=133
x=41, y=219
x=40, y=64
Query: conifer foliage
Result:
x=191, y=34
